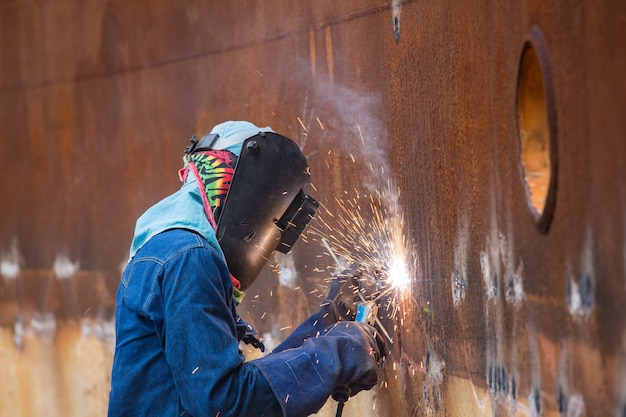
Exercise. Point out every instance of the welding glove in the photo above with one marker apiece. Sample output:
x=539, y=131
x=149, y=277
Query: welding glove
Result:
x=342, y=299
x=345, y=355
x=340, y=304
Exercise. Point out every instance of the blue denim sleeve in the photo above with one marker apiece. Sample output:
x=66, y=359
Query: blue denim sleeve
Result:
x=311, y=327
x=200, y=340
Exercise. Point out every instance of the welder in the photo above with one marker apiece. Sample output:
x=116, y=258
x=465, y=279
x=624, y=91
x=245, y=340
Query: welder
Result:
x=243, y=195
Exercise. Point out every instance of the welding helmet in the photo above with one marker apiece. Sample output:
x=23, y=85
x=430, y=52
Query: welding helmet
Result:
x=267, y=205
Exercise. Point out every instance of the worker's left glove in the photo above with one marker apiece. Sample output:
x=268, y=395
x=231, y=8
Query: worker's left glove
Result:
x=342, y=299
x=340, y=304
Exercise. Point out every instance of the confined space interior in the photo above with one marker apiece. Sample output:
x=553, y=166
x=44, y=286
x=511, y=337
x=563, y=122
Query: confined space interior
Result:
x=536, y=128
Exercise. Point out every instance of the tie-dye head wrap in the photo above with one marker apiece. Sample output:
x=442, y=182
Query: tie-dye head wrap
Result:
x=213, y=171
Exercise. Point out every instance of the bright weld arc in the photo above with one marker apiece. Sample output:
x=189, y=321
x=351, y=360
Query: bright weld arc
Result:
x=377, y=245
x=399, y=273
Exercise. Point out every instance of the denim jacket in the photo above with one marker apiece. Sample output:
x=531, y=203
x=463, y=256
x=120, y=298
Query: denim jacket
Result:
x=177, y=348
x=176, y=340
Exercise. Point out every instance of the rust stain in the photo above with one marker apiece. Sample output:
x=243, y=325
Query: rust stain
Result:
x=330, y=60
x=98, y=100
x=312, y=53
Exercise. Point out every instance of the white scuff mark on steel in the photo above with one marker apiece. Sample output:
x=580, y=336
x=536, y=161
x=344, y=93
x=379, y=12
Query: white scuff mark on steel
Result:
x=44, y=325
x=571, y=404
x=64, y=268
x=9, y=269
x=10, y=263
x=575, y=406
x=103, y=330
x=491, y=259
x=396, y=10
x=431, y=390
x=580, y=288
x=514, y=293
x=18, y=332
x=485, y=267
x=514, y=287
x=572, y=294
x=459, y=268
x=287, y=272
x=269, y=341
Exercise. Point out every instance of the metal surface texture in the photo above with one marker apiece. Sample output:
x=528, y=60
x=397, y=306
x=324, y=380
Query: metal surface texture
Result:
x=412, y=104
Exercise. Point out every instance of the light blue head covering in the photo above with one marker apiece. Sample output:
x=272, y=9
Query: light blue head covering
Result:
x=183, y=209
x=237, y=132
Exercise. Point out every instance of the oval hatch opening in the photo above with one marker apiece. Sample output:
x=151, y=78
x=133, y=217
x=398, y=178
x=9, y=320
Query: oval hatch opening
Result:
x=536, y=129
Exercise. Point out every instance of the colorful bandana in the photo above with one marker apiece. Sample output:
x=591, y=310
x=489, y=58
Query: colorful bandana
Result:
x=214, y=172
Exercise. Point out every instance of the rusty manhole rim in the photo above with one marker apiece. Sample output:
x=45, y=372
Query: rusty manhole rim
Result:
x=534, y=39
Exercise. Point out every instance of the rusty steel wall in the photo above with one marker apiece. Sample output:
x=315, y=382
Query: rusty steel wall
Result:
x=412, y=104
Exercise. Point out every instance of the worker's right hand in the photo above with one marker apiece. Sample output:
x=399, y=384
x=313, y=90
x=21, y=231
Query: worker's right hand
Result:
x=343, y=358
x=359, y=353
x=341, y=301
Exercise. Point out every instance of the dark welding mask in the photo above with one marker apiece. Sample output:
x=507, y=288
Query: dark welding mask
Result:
x=267, y=206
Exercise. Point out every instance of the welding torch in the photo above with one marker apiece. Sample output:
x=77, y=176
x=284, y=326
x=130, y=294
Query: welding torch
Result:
x=368, y=290
x=366, y=313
